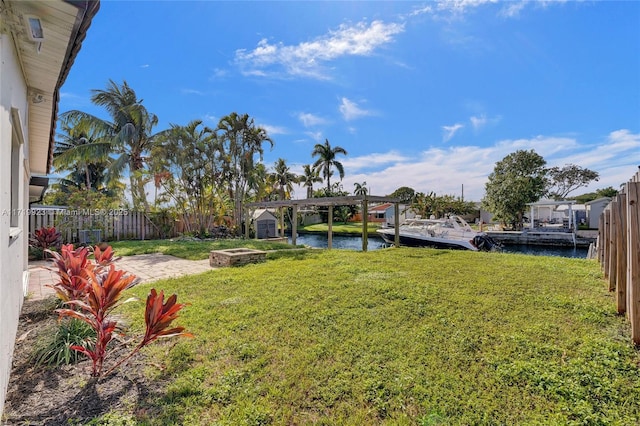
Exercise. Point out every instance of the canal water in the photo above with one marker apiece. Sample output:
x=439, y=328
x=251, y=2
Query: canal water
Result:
x=355, y=243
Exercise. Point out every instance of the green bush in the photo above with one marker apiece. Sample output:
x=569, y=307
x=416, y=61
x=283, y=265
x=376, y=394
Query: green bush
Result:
x=57, y=351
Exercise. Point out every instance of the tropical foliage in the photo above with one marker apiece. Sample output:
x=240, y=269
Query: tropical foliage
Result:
x=431, y=204
x=240, y=143
x=128, y=133
x=327, y=160
x=404, y=193
x=599, y=193
x=283, y=179
x=46, y=238
x=92, y=290
x=517, y=179
x=187, y=168
x=360, y=188
x=564, y=180
x=309, y=176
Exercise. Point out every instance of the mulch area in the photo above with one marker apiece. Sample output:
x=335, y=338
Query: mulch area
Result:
x=39, y=395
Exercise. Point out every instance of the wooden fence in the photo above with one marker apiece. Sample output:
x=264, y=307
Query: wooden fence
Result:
x=619, y=251
x=87, y=226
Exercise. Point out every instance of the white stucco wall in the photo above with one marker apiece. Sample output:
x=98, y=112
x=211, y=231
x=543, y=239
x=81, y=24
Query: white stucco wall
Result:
x=13, y=254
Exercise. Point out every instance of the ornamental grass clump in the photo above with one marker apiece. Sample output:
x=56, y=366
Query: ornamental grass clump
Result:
x=93, y=290
x=57, y=350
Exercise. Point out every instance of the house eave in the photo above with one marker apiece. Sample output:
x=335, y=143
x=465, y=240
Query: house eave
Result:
x=45, y=64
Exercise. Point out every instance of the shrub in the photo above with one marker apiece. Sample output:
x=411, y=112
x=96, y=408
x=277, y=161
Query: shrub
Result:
x=93, y=290
x=45, y=239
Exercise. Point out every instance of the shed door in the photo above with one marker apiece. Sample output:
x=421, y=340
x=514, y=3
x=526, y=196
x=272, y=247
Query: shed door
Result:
x=266, y=229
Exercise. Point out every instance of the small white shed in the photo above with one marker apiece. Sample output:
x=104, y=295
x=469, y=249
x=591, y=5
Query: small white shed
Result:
x=266, y=224
x=595, y=209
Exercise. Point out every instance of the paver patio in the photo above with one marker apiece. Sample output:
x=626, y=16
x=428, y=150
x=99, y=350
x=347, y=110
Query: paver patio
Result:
x=147, y=267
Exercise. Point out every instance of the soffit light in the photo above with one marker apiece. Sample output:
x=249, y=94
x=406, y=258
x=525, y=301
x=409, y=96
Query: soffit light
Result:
x=34, y=28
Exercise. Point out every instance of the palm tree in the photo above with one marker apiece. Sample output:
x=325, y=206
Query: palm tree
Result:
x=310, y=176
x=241, y=142
x=130, y=131
x=283, y=179
x=361, y=189
x=327, y=160
x=186, y=161
x=258, y=184
x=83, y=153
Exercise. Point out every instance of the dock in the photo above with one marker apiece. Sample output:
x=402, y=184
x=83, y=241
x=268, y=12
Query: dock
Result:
x=545, y=237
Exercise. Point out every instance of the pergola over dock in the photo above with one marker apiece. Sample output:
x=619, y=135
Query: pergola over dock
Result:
x=330, y=202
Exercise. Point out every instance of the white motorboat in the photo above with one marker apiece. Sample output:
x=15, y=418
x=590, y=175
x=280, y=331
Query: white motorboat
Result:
x=452, y=232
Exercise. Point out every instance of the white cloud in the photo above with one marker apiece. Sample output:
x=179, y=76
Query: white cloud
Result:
x=192, y=92
x=73, y=101
x=274, y=130
x=219, y=73
x=446, y=9
x=373, y=160
x=311, y=120
x=444, y=171
x=211, y=118
x=316, y=136
x=351, y=111
x=144, y=66
x=478, y=122
x=307, y=58
x=513, y=9
x=461, y=6
x=450, y=131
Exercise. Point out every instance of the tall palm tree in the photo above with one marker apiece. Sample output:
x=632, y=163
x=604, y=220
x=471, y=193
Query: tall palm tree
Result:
x=130, y=130
x=258, y=183
x=327, y=160
x=309, y=177
x=361, y=188
x=83, y=152
x=241, y=141
x=283, y=179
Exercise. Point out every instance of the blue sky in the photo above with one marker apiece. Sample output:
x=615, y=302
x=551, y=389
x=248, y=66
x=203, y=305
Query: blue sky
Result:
x=422, y=94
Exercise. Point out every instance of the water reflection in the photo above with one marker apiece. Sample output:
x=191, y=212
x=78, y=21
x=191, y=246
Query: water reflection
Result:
x=339, y=241
x=355, y=243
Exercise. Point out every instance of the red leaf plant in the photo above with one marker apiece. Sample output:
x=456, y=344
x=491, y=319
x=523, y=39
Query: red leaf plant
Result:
x=70, y=265
x=98, y=292
x=46, y=238
x=104, y=257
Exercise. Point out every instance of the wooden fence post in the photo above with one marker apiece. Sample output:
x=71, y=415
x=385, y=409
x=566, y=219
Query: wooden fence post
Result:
x=600, y=241
x=613, y=238
x=606, y=243
x=633, y=257
x=620, y=211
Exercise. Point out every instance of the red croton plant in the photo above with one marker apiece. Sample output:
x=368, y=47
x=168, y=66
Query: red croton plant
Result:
x=94, y=289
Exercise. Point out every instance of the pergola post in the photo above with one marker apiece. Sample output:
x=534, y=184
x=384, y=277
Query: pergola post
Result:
x=281, y=222
x=247, y=223
x=396, y=224
x=294, y=225
x=330, y=228
x=365, y=226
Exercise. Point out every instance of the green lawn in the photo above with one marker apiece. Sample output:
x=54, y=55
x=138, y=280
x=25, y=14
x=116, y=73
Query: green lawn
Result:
x=341, y=228
x=192, y=250
x=396, y=336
